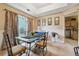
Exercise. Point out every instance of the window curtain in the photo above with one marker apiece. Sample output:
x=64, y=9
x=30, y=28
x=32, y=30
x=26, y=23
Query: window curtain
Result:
x=11, y=27
x=30, y=26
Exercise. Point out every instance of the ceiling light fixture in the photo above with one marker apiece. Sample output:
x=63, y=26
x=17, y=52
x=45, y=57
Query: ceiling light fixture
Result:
x=28, y=9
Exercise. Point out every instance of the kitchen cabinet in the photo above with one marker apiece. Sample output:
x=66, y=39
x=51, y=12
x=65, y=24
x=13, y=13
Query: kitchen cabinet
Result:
x=71, y=28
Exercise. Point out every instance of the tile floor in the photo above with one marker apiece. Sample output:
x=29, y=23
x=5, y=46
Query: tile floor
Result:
x=56, y=49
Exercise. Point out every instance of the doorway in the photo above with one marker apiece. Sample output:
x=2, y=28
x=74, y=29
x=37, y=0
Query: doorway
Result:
x=71, y=29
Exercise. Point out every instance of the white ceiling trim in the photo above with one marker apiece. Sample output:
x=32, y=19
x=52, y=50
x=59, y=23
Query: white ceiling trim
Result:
x=51, y=7
x=43, y=10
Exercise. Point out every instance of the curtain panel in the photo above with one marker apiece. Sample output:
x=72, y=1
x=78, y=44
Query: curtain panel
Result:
x=11, y=27
x=30, y=25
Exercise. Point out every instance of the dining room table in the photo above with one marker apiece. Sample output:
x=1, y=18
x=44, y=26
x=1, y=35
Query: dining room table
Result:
x=29, y=40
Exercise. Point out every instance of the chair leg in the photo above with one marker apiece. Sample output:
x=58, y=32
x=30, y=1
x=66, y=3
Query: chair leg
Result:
x=35, y=49
x=46, y=50
x=20, y=54
x=42, y=51
x=26, y=53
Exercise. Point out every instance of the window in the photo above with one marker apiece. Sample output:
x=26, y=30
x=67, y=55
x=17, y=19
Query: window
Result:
x=22, y=26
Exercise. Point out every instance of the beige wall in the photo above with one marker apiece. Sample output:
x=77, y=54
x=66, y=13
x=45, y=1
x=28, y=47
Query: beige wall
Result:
x=2, y=18
x=61, y=28
x=53, y=28
x=34, y=24
x=78, y=27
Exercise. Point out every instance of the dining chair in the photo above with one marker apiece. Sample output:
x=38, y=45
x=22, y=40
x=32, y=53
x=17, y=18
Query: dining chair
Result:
x=14, y=50
x=42, y=44
x=76, y=50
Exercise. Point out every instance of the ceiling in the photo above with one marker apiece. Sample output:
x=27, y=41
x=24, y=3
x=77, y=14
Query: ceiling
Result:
x=42, y=9
x=72, y=14
x=40, y=5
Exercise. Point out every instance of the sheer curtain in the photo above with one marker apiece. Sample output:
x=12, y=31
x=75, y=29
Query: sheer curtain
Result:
x=22, y=26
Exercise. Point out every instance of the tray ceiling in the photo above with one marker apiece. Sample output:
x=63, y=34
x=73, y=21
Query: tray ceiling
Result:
x=41, y=9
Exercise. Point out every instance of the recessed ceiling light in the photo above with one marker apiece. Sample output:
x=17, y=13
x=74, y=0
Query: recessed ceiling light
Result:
x=28, y=9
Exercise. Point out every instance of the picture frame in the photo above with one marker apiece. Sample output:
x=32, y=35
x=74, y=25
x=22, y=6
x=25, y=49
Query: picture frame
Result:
x=43, y=22
x=56, y=20
x=50, y=21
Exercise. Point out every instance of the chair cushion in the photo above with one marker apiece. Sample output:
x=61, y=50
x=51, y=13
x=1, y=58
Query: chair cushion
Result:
x=18, y=49
x=41, y=43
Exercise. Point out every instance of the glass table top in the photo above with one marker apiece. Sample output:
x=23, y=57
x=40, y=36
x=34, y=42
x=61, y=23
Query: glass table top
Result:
x=29, y=39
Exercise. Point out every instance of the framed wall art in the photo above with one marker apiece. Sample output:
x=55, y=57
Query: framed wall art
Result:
x=56, y=20
x=50, y=21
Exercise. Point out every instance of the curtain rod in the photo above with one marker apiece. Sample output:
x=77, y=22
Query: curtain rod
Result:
x=6, y=10
x=14, y=12
x=10, y=11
